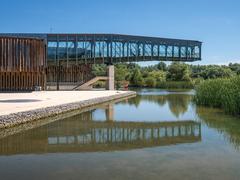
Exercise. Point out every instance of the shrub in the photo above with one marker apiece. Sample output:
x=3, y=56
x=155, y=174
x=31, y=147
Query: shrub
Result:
x=150, y=82
x=99, y=84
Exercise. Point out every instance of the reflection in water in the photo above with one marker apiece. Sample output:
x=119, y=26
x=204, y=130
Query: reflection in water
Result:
x=81, y=134
x=178, y=104
x=147, y=137
x=226, y=125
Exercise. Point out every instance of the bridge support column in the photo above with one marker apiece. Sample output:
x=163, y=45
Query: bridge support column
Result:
x=110, y=81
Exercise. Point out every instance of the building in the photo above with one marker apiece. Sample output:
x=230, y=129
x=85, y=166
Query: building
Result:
x=30, y=60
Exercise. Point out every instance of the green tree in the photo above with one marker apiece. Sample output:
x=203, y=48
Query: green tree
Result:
x=214, y=71
x=178, y=72
x=121, y=72
x=235, y=67
x=160, y=76
x=99, y=69
x=162, y=66
x=136, y=78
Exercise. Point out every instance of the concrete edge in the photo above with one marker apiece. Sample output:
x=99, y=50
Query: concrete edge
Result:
x=4, y=132
x=10, y=120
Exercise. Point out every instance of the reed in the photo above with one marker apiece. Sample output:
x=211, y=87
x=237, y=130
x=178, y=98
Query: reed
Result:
x=175, y=85
x=220, y=93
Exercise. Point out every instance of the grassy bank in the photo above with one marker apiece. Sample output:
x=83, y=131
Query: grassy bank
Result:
x=220, y=93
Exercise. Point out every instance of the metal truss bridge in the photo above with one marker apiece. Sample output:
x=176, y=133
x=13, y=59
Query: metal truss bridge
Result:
x=114, y=48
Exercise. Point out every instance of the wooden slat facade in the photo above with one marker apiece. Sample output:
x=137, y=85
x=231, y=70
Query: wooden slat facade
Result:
x=22, y=63
x=69, y=74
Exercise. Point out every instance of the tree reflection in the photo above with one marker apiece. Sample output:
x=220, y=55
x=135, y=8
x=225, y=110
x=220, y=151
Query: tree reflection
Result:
x=134, y=101
x=178, y=103
x=226, y=125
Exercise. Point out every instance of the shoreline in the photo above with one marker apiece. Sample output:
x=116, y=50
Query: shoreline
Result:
x=14, y=119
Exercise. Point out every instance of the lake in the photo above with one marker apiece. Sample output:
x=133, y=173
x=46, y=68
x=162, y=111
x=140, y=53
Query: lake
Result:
x=158, y=134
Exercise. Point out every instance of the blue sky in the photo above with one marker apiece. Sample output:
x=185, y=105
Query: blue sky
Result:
x=214, y=22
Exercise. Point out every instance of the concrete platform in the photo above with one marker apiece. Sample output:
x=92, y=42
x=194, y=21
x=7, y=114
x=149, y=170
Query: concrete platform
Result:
x=19, y=108
x=19, y=102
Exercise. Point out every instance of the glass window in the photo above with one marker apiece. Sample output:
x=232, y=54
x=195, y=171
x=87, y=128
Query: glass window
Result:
x=97, y=49
x=132, y=49
x=140, y=50
x=155, y=50
x=148, y=50
x=189, y=52
x=169, y=51
x=71, y=50
x=196, y=52
x=162, y=50
x=62, y=50
x=118, y=49
x=176, y=51
x=87, y=49
x=52, y=49
x=125, y=53
x=183, y=52
x=80, y=50
x=100, y=49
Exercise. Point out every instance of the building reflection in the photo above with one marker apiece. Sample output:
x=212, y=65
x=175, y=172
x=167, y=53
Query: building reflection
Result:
x=81, y=133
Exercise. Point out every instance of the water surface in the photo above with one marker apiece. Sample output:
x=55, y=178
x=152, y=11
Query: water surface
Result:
x=157, y=135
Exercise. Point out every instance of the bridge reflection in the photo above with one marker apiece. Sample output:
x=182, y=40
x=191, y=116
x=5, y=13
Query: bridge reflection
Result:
x=81, y=134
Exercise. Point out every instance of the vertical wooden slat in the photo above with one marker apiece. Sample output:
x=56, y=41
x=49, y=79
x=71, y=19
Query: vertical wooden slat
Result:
x=22, y=63
x=1, y=59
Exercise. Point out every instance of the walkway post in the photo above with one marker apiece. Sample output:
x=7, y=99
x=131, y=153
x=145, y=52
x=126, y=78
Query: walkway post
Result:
x=110, y=81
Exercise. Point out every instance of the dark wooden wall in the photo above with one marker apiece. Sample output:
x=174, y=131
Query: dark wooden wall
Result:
x=22, y=63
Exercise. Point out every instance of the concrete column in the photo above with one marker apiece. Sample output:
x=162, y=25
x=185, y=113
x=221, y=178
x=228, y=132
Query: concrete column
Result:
x=110, y=81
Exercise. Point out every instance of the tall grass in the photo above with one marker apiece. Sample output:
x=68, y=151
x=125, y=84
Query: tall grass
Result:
x=221, y=93
x=175, y=85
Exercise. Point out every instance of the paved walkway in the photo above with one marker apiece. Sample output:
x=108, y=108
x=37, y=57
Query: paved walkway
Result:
x=19, y=102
